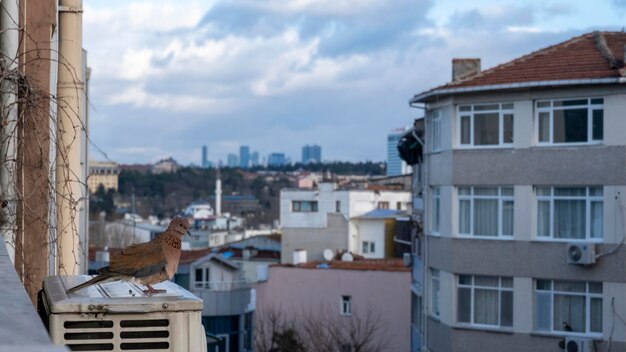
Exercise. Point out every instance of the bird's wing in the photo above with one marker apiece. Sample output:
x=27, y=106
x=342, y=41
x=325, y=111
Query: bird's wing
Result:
x=139, y=260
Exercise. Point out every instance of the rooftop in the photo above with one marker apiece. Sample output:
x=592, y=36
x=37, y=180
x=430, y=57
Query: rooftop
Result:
x=363, y=265
x=591, y=56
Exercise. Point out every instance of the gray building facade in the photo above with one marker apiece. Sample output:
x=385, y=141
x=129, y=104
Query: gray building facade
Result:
x=523, y=167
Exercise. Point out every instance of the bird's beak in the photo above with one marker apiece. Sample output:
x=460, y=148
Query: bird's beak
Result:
x=189, y=233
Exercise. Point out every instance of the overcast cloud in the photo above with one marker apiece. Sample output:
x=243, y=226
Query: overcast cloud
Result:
x=171, y=76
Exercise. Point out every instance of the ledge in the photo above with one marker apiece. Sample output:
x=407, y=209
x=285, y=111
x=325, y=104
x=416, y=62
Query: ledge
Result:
x=21, y=328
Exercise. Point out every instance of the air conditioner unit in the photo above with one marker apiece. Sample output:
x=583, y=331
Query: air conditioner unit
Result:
x=118, y=316
x=577, y=344
x=581, y=253
x=407, y=259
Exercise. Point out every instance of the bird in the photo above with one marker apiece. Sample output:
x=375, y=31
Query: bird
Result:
x=145, y=263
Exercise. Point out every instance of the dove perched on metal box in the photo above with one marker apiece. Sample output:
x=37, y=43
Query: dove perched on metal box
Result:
x=145, y=263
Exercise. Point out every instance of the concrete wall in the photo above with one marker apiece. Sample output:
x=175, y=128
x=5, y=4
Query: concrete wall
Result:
x=315, y=240
x=298, y=291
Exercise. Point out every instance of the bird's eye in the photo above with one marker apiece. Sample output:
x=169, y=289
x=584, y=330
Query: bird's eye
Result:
x=181, y=225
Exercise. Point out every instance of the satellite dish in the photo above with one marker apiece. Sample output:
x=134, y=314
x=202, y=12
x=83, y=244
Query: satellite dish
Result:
x=328, y=254
x=347, y=257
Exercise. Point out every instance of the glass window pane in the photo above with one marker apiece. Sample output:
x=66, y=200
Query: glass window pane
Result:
x=486, y=129
x=543, y=218
x=597, y=101
x=465, y=279
x=595, y=320
x=569, y=313
x=569, y=126
x=464, y=305
x=544, y=104
x=198, y=274
x=597, y=127
x=485, y=217
x=569, y=218
x=485, y=191
x=486, y=306
x=544, y=285
x=489, y=281
x=506, y=308
x=506, y=282
x=486, y=107
x=570, y=286
x=595, y=287
x=507, y=191
x=465, y=108
x=465, y=130
x=544, y=191
x=544, y=127
x=570, y=191
x=570, y=102
x=595, y=191
x=507, y=128
x=507, y=218
x=508, y=106
x=597, y=221
x=465, y=191
x=464, y=216
x=543, y=311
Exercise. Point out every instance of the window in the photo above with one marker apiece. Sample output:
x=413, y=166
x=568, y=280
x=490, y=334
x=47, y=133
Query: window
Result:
x=399, y=205
x=368, y=247
x=486, y=211
x=570, y=212
x=346, y=305
x=416, y=312
x=436, y=196
x=202, y=278
x=485, y=125
x=337, y=206
x=304, y=206
x=485, y=300
x=568, y=306
x=435, y=131
x=570, y=121
x=383, y=205
x=434, y=294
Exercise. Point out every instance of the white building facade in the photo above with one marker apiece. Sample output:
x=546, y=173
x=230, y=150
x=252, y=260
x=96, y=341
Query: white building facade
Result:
x=516, y=174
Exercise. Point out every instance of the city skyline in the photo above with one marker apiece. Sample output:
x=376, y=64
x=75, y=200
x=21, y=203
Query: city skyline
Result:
x=166, y=75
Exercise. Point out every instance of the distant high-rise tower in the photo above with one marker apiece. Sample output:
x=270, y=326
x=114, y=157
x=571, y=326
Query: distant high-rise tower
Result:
x=218, y=193
x=276, y=159
x=311, y=154
x=254, y=159
x=232, y=160
x=244, y=156
x=395, y=165
x=205, y=157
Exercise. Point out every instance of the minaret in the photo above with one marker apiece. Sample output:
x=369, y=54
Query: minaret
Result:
x=218, y=193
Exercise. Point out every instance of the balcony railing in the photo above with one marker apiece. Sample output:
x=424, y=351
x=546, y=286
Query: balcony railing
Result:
x=221, y=285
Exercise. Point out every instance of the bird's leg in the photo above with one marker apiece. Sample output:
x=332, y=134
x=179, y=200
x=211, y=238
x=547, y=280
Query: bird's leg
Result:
x=152, y=290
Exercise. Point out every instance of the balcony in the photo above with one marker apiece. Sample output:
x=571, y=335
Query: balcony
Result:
x=225, y=298
x=21, y=328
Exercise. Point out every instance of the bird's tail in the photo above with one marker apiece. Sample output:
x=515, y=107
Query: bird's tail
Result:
x=100, y=278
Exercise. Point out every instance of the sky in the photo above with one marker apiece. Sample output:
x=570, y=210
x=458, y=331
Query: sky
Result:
x=169, y=76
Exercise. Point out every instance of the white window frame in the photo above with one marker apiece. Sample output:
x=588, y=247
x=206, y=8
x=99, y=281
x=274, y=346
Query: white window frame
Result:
x=588, y=296
x=296, y=206
x=435, y=130
x=436, y=213
x=435, y=294
x=591, y=106
x=588, y=198
x=368, y=247
x=500, y=288
x=345, y=305
x=472, y=197
x=204, y=282
x=503, y=109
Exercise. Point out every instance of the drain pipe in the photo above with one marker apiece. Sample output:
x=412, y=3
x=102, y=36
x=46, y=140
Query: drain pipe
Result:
x=9, y=44
x=70, y=126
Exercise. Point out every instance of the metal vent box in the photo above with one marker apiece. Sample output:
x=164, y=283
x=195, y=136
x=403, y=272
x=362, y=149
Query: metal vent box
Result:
x=118, y=316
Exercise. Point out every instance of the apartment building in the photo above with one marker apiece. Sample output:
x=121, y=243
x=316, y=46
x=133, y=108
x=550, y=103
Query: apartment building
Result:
x=103, y=173
x=524, y=183
x=328, y=218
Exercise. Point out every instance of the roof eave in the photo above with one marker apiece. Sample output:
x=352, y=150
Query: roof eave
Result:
x=425, y=96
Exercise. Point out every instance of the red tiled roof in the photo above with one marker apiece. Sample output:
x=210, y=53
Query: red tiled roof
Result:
x=364, y=264
x=589, y=56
